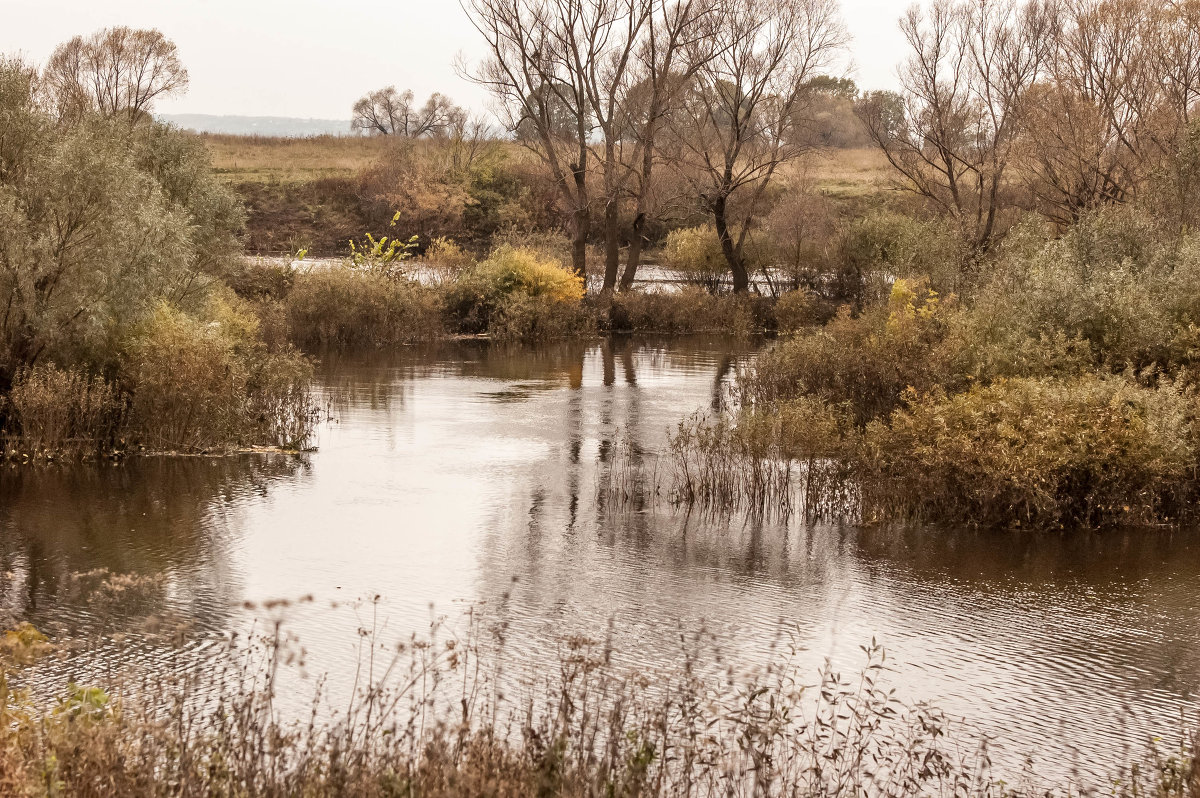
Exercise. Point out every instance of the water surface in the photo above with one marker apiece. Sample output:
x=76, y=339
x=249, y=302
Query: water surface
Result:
x=466, y=476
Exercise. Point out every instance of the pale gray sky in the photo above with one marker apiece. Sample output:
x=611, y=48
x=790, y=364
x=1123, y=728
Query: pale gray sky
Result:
x=313, y=58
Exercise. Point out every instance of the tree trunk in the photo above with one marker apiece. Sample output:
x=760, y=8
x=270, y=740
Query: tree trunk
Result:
x=741, y=280
x=579, y=234
x=634, y=256
x=581, y=221
x=612, y=246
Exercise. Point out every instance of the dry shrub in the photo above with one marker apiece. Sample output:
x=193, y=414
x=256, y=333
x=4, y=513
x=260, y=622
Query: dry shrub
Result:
x=690, y=310
x=441, y=724
x=199, y=384
x=58, y=411
x=525, y=317
x=798, y=309
x=1091, y=451
x=343, y=306
x=444, y=260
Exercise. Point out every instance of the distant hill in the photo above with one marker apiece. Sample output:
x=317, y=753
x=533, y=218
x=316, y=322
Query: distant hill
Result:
x=259, y=125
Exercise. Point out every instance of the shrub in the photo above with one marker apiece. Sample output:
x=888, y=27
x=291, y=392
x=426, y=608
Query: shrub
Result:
x=56, y=411
x=510, y=270
x=538, y=317
x=203, y=383
x=695, y=253
x=446, y=260
x=882, y=245
x=506, y=292
x=1089, y=451
x=866, y=361
x=798, y=309
x=343, y=306
x=690, y=310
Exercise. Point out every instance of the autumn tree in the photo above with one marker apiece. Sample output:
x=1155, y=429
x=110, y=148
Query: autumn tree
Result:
x=675, y=44
x=115, y=72
x=1122, y=87
x=540, y=56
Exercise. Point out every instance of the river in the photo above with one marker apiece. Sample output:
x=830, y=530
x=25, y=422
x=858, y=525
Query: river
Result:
x=465, y=475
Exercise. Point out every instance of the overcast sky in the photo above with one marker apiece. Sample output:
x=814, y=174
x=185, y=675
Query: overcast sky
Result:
x=313, y=58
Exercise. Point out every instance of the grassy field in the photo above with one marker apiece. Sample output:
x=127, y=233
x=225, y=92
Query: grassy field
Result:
x=263, y=159
x=307, y=193
x=850, y=174
x=840, y=173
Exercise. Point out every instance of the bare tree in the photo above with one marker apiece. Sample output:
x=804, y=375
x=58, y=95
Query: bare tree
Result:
x=1123, y=85
x=676, y=44
x=738, y=121
x=115, y=72
x=540, y=55
x=393, y=113
x=612, y=30
x=965, y=84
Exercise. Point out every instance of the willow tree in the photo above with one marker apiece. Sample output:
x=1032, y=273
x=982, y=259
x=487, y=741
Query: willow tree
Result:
x=114, y=72
x=99, y=222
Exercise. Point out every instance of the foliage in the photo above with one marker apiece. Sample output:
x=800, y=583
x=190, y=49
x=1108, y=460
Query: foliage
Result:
x=865, y=361
x=1090, y=451
x=343, y=306
x=695, y=253
x=203, y=383
x=509, y=289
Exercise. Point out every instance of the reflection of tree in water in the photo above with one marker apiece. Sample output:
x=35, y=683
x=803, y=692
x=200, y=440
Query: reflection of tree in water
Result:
x=164, y=518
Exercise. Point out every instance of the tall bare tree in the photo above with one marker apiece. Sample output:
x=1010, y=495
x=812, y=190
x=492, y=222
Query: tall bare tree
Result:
x=739, y=121
x=114, y=72
x=540, y=54
x=677, y=42
x=613, y=30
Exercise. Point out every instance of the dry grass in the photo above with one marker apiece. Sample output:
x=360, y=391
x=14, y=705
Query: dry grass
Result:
x=442, y=716
x=291, y=160
x=849, y=174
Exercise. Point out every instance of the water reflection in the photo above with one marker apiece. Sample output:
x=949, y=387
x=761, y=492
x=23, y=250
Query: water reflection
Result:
x=467, y=474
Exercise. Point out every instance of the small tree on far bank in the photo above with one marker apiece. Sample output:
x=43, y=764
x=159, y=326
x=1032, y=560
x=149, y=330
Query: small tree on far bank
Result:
x=389, y=112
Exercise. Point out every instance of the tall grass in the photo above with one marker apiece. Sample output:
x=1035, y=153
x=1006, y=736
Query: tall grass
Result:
x=441, y=716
